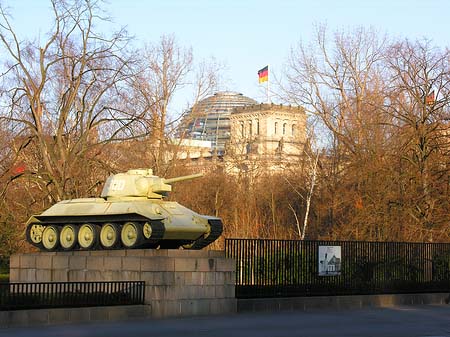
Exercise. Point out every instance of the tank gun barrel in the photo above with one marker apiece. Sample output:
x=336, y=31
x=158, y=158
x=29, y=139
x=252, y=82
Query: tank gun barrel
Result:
x=182, y=178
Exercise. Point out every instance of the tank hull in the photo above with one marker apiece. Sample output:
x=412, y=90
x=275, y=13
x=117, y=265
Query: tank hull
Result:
x=134, y=222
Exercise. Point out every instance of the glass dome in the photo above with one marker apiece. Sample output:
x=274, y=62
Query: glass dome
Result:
x=209, y=119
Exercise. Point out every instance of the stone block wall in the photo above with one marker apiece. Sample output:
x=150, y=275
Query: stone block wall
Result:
x=178, y=282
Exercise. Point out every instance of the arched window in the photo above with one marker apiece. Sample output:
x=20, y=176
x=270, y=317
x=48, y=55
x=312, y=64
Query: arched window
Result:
x=276, y=127
x=242, y=130
x=257, y=127
x=293, y=129
x=284, y=128
x=250, y=128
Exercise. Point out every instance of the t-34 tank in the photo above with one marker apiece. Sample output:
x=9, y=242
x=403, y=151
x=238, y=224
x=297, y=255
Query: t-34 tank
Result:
x=131, y=213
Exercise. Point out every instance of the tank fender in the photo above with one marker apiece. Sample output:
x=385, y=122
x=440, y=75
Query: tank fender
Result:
x=32, y=219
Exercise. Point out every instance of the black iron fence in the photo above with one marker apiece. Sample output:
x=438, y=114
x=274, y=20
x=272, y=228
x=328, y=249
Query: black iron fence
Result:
x=279, y=268
x=14, y=296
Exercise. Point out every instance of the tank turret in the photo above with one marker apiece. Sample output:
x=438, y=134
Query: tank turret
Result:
x=140, y=183
x=130, y=213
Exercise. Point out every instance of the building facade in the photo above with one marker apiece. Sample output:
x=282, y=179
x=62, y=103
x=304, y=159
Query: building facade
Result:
x=267, y=130
x=244, y=135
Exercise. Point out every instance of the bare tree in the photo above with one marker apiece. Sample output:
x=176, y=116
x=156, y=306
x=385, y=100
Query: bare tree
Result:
x=418, y=101
x=66, y=96
x=341, y=83
x=386, y=107
x=309, y=167
x=165, y=70
x=336, y=81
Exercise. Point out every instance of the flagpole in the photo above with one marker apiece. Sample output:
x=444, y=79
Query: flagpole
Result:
x=268, y=80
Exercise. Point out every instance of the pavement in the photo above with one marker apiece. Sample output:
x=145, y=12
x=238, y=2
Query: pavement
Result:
x=411, y=321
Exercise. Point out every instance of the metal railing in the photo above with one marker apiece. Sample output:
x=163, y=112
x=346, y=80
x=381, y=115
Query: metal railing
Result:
x=14, y=296
x=281, y=268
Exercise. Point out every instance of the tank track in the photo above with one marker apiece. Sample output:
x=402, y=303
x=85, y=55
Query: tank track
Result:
x=216, y=230
x=154, y=242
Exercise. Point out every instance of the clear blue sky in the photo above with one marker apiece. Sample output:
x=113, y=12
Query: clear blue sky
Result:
x=246, y=35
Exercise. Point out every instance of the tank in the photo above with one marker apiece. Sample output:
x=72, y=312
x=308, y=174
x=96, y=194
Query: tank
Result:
x=130, y=213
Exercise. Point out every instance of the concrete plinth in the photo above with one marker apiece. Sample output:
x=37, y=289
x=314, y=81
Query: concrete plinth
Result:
x=178, y=282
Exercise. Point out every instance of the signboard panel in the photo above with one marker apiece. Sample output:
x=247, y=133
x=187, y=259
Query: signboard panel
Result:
x=329, y=260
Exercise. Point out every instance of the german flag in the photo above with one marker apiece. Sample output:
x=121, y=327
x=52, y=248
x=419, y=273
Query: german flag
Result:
x=263, y=74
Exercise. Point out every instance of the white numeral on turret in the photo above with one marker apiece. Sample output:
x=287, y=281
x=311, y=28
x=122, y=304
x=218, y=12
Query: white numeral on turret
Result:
x=117, y=185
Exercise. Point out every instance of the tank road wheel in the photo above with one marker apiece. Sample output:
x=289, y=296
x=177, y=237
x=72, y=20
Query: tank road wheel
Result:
x=109, y=235
x=68, y=237
x=87, y=236
x=50, y=237
x=147, y=230
x=34, y=233
x=131, y=234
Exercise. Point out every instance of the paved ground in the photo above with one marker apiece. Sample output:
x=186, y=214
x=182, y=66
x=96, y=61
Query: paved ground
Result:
x=415, y=321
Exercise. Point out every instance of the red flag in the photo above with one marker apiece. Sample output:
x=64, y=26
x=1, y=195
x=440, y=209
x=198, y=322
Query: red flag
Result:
x=19, y=169
x=429, y=100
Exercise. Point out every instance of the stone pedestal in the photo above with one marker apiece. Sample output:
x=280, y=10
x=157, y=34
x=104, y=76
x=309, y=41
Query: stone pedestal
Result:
x=178, y=282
